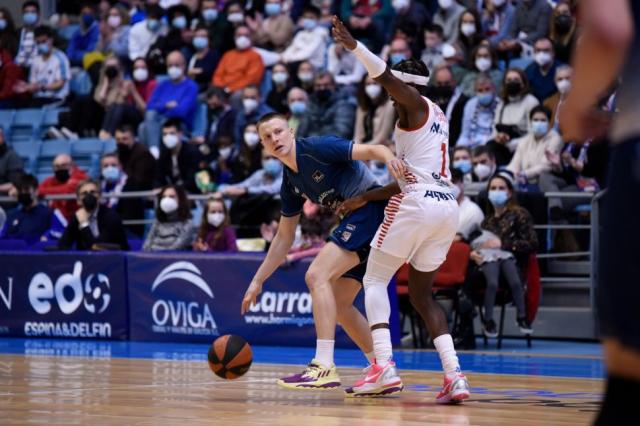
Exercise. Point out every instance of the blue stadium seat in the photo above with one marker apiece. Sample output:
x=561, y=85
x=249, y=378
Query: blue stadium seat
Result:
x=25, y=124
x=86, y=153
x=109, y=146
x=29, y=152
x=50, y=117
x=6, y=119
x=520, y=63
x=48, y=150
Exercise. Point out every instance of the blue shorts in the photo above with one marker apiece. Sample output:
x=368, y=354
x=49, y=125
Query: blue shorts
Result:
x=355, y=232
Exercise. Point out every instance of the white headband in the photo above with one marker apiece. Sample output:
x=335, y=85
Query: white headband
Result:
x=420, y=80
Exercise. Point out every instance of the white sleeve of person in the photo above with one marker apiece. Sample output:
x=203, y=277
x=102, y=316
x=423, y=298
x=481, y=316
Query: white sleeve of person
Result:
x=376, y=66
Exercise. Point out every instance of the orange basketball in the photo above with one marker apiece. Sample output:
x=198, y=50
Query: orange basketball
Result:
x=230, y=356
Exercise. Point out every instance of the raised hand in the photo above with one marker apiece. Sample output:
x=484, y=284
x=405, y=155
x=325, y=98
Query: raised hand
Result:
x=342, y=35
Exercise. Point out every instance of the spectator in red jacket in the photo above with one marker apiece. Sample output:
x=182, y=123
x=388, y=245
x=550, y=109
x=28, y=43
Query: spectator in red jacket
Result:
x=10, y=74
x=65, y=179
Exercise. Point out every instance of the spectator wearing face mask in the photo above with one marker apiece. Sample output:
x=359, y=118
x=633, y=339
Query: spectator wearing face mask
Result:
x=346, y=69
x=434, y=43
x=530, y=158
x=215, y=22
x=512, y=118
x=247, y=157
x=93, y=226
x=375, y=117
x=469, y=36
x=144, y=82
x=179, y=34
x=234, y=17
x=277, y=97
x=215, y=233
x=173, y=98
x=479, y=114
x=306, y=76
x=179, y=161
x=470, y=215
x=448, y=17
x=85, y=38
x=172, y=228
x=145, y=33
x=530, y=22
x=496, y=20
x=484, y=166
x=563, y=32
x=27, y=50
x=297, y=100
x=483, y=63
x=563, y=84
x=49, y=74
x=542, y=72
x=136, y=160
x=328, y=111
x=8, y=38
x=276, y=30
x=399, y=51
x=239, y=67
x=30, y=220
x=114, y=33
x=65, y=180
x=204, y=61
x=310, y=43
x=449, y=98
x=221, y=118
x=252, y=109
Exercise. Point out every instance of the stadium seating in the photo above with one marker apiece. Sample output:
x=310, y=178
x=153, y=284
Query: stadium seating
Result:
x=25, y=124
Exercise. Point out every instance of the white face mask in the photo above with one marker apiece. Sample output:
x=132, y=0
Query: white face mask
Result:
x=305, y=77
x=249, y=105
x=542, y=58
x=215, y=219
x=243, y=42
x=251, y=139
x=174, y=72
x=224, y=152
x=482, y=171
x=168, y=205
x=235, y=17
x=279, y=77
x=373, y=90
x=399, y=4
x=563, y=85
x=170, y=140
x=140, y=74
x=483, y=64
x=114, y=21
x=498, y=3
x=445, y=4
x=468, y=29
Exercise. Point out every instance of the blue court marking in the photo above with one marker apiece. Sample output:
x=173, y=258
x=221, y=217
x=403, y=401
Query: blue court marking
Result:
x=472, y=362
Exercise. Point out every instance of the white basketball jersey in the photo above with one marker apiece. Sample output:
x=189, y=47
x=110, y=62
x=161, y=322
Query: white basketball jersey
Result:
x=425, y=150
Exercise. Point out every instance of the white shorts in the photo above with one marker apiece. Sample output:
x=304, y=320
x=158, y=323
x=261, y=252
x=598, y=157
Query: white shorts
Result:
x=419, y=226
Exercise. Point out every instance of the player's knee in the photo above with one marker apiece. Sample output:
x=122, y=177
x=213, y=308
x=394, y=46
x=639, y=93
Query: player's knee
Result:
x=418, y=297
x=315, y=279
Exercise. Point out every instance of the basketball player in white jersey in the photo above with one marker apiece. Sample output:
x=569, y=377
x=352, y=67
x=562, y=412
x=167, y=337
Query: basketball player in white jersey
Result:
x=419, y=226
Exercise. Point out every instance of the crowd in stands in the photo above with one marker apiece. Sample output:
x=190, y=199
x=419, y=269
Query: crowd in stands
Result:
x=179, y=86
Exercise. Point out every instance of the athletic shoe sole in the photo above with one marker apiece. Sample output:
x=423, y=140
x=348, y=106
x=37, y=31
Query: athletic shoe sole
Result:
x=308, y=386
x=389, y=390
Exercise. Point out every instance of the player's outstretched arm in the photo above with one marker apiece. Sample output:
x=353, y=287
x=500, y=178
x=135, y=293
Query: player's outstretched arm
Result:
x=276, y=255
x=377, y=194
x=402, y=93
x=380, y=153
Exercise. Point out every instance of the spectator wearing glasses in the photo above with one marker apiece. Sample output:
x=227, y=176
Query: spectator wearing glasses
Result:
x=93, y=226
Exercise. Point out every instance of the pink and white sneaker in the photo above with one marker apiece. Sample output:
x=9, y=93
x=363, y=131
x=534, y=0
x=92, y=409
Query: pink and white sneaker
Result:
x=454, y=390
x=377, y=381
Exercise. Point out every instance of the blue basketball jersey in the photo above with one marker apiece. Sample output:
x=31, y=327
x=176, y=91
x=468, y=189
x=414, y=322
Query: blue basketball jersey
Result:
x=326, y=174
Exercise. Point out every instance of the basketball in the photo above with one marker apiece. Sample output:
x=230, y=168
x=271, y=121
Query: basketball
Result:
x=230, y=357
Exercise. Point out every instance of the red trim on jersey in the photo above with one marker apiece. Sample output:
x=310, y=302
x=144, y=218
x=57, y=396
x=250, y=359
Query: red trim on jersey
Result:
x=426, y=119
x=389, y=215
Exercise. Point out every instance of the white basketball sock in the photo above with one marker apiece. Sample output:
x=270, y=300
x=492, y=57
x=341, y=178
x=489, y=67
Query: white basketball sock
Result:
x=324, y=352
x=382, y=346
x=371, y=356
x=444, y=345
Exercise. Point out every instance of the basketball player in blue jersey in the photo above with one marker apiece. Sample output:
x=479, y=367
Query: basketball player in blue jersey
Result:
x=609, y=44
x=325, y=170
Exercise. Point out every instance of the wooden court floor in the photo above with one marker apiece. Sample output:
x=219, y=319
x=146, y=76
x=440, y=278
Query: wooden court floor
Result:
x=117, y=391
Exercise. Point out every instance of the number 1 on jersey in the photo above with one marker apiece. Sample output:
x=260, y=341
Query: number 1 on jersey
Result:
x=443, y=148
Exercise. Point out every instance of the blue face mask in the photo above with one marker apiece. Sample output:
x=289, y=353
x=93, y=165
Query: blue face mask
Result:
x=153, y=25
x=43, y=48
x=396, y=58
x=200, y=42
x=88, y=19
x=463, y=165
x=3, y=24
x=485, y=99
x=272, y=167
x=179, y=22
x=110, y=173
x=297, y=107
x=210, y=15
x=309, y=24
x=498, y=197
x=539, y=128
x=30, y=18
x=272, y=9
